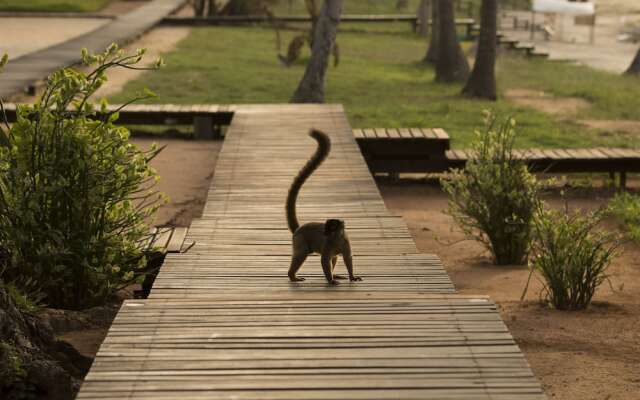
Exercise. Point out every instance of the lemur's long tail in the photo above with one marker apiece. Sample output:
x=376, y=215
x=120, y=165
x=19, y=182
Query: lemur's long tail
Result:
x=321, y=153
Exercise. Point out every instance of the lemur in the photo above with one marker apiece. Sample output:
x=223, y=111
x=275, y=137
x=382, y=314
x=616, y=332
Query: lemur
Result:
x=329, y=239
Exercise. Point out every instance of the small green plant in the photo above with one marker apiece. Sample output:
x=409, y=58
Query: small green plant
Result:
x=572, y=256
x=75, y=195
x=495, y=197
x=14, y=379
x=27, y=302
x=626, y=208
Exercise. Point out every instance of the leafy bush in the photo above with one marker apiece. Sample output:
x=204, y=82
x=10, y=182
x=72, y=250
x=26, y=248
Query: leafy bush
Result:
x=74, y=193
x=572, y=256
x=495, y=197
x=626, y=208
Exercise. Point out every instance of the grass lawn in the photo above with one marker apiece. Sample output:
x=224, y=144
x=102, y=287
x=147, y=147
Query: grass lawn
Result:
x=52, y=5
x=382, y=83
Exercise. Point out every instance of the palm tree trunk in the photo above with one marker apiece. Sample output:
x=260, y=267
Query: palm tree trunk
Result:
x=634, y=68
x=198, y=8
x=311, y=87
x=452, y=65
x=213, y=8
x=482, y=82
x=423, y=17
x=432, y=51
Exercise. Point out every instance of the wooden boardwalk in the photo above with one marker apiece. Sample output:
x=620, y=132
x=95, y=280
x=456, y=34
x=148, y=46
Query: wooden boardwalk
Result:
x=223, y=321
x=25, y=70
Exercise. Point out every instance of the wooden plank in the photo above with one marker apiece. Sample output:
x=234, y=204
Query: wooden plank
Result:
x=177, y=239
x=393, y=133
x=428, y=133
x=440, y=133
x=417, y=133
x=369, y=133
x=161, y=238
x=381, y=133
x=405, y=133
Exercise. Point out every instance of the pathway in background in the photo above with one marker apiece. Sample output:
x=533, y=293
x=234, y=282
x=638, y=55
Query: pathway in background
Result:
x=23, y=71
x=606, y=53
x=25, y=35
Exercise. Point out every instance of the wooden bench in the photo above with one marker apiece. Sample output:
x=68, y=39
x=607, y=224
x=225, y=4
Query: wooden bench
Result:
x=205, y=118
x=467, y=23
x=422, y=150
x=611, y=160
x=403, y=149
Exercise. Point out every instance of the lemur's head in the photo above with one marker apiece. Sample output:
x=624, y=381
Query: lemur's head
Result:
x=333, y=227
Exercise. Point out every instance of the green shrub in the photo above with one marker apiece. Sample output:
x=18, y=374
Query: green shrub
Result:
x=495, y=197
x=74, y=193
x=572, y=256
x=626, y=208
x=14, y=379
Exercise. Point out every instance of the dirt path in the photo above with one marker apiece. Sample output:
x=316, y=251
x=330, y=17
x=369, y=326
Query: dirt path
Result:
x=185, y=168
x=572, y=42
x=22, y=36
x=121, y=6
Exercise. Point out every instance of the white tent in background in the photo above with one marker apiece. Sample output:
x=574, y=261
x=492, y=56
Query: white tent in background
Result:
x=563, y=7
x=583, y=12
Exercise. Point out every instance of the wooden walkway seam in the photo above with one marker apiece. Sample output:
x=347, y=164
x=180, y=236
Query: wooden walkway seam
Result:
x=224, y=322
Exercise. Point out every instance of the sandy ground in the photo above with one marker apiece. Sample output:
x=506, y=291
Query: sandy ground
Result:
x=607, y=7
x=22, y=36
x=25, y=35
x=121, y=6
x=573, y=42
x=158, y=41
x=547, y=103
x=566, y=108
x=594, y=354
x=185, y=168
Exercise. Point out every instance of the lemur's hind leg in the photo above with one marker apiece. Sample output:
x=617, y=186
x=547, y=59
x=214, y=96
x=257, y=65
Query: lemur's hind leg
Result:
x=334, y=260
x=300, y=253
x=296, y=262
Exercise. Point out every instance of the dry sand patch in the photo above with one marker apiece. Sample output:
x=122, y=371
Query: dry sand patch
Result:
x=547, y=103
x=185, y=168
x=613, y=125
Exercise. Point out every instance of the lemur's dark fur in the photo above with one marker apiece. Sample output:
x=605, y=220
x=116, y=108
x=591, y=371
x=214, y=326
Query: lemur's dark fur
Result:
x=328, y=238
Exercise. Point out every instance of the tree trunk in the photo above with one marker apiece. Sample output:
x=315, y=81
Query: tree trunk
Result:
x=243, y=7
x=432, y=52
x=311, y=87
x=634, y=68
x=198, y=7
x=452, y=65
x=482, y=82
x=402, y=4
x=213, y=8
x=423, y=18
